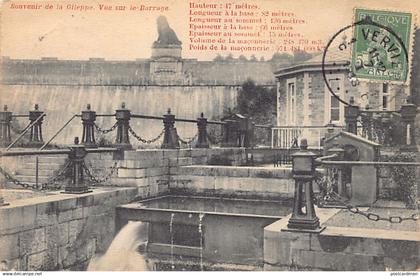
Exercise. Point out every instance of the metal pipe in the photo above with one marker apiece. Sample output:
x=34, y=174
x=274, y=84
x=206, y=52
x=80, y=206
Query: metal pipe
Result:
x=20, y=115
x=322, y=158
x=146, y=117
x=105, y=115
x=370, y=163
x=36, y=171
x=99, y=150
x=58, y=132
x=263, y=126
x=24, y=132
x=302, y=127
x=56, y=151
x=216, y=123
x=185, y=120
x=35, y=152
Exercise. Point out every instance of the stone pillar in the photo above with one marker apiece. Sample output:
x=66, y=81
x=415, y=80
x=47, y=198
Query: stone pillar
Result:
x=5, y=120
x=76, y=183
x=249, y=134
x=35, y=139
x=408, y=115
x=303, y=218
x=230, y=134
x=170, y=137
x=351, y=113
x=88, y=121
x=202, y=132
x=330, y=130
x=387, y=129
x=123, y=116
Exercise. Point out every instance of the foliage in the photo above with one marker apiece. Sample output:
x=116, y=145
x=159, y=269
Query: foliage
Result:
x=102, y=141
x=405, y=178
x=256, y=102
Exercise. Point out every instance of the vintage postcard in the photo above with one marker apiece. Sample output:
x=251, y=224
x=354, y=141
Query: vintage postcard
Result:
x=209, y=135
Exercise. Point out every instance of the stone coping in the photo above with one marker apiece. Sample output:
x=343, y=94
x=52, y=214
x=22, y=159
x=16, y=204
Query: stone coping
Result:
x=324, y=214
x=237, y=171
x=60, y=196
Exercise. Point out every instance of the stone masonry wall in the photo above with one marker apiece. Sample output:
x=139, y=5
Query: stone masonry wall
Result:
x=339, y=248
x=59, y=231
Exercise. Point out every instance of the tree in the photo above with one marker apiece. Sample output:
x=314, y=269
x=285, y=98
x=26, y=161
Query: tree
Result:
x=229, y=57
x=242, y=58
x=301, y=56
x=256, y=102
x=218, y=58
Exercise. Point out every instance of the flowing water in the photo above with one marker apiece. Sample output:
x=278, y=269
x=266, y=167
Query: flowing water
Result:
x=171, y=231
x=200, y=230
x=122, y=254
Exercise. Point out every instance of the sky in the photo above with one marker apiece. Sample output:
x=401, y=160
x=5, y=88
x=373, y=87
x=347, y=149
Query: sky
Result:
x=128, y=35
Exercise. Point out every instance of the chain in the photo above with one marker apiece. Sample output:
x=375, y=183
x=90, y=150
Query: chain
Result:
x=188, y=141
x=135, y=135
x=93, y=179
x=105, y=131
x=368, y=215
x=48, y=185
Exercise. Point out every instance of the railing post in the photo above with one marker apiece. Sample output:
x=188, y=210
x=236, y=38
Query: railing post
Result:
x=249, y=134
x=202, y=132
x=5, y=120
x=170, y=137
x=408, y=115
x=351, y=113
x=35, y=139
x=303, y=218
x=76, y=183
x=230, y=134
x=386, y=123
x=123, y=116
x=88, y=121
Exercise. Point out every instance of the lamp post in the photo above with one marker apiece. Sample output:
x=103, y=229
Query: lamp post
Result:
x=303, y=218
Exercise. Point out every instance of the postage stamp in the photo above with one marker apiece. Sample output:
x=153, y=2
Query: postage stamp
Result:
x=381, y=46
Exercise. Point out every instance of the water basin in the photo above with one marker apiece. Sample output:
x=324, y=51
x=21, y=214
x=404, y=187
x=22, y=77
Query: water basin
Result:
x=208, y=229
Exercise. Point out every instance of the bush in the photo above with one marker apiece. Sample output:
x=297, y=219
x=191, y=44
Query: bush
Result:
x=405, y=178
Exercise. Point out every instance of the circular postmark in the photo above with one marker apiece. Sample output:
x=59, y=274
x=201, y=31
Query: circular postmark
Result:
x=382, y=55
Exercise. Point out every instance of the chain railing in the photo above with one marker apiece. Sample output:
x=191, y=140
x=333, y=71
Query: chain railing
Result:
x=51, y=184
x=328, y=183
x=105, y=131
x=370, y=216
x=145, y=141
x=188, y=141
x=94, y=180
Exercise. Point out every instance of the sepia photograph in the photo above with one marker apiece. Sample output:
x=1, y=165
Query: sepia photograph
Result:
x=209, y=135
